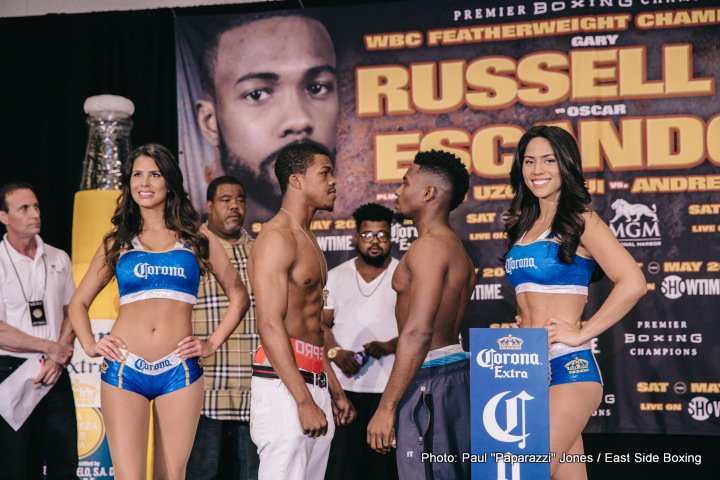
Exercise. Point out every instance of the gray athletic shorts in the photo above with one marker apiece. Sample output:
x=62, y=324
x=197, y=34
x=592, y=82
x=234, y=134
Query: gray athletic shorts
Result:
x=434, y=418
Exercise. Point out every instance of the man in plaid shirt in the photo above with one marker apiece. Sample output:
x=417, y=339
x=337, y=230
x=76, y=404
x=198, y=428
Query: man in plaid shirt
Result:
x=224, y=423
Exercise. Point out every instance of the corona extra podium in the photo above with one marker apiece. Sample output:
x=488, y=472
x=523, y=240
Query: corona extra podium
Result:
x=509, y=422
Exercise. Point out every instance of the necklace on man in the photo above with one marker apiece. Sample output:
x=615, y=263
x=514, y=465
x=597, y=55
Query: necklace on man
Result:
x=325, y=291
x=357, y=282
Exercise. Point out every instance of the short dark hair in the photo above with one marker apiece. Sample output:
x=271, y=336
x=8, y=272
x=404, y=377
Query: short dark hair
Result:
x=10, y=187
x=224, y=180
x=207, y=60
x=372, y=212
x=295, y=159
x=448, y=167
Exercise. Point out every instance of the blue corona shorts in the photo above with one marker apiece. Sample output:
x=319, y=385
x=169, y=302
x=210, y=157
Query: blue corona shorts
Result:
x=151, y=379
x=573, y=364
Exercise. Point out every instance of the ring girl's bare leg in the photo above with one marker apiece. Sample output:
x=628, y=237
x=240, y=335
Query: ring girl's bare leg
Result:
x=571, y=405
x=176, y=416
x=126, y=415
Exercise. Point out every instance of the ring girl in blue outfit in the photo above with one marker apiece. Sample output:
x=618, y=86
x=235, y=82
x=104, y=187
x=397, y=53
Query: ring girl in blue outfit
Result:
x=158, y=254
x=554, y=246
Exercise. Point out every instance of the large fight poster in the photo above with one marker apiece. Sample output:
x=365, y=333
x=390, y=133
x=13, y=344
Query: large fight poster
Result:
x=636, y=82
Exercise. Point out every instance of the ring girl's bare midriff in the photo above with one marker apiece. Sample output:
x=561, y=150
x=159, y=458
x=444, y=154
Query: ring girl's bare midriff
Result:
x=536, y=308
x=152, y=328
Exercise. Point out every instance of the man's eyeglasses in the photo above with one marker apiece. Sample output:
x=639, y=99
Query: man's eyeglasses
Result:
x=382, y=236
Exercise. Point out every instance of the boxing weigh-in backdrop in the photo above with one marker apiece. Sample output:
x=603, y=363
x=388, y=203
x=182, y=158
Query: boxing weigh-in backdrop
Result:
x=635, y=81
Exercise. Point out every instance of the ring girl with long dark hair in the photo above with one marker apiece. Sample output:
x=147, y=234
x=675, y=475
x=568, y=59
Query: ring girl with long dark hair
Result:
x=555, y=246
x=157, y=253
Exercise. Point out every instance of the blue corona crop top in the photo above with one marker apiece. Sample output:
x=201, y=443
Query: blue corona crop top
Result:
x=535, y=267
x=142, y=275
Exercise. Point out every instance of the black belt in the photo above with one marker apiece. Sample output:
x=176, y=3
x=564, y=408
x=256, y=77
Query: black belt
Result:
x=319, y=379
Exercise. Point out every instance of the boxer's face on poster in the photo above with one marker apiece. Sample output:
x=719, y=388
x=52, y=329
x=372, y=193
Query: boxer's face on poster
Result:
x=275, y=84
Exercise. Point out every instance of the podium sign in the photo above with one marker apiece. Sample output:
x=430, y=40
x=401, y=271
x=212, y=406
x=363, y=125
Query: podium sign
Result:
x=510, y=437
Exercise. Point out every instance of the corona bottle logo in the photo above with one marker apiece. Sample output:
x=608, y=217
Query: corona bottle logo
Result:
x=520, y=263
x=85, y=394
x=510, y=343
x=577, y=365
x=91, y=431
x=143, y=270
x=141, y=364
x=514, y=428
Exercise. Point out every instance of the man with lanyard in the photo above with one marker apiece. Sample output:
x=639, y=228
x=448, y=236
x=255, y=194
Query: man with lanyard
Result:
x=35, y=346
x=225, y=413
x=360, y=338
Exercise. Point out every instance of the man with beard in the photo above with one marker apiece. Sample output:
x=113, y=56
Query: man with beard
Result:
x=292, y=411
x=225, y=414
x=268, y=81
x=429, y=387
x=360, y=338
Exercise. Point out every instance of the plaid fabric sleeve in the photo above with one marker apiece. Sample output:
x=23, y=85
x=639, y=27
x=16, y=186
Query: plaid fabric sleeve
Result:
x=228, y=371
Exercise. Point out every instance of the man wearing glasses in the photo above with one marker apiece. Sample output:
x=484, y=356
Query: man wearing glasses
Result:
x=360, y=337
